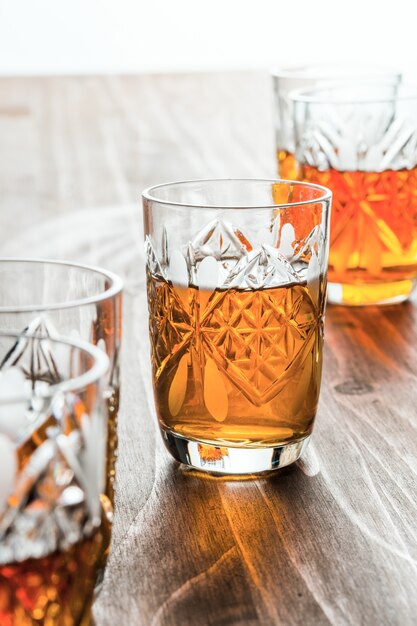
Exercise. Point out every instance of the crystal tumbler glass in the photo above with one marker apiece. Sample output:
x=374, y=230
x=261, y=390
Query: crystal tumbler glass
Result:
x=57, y=298
x=54, y=535
x=362, y=143
x=236, y=275
x=312, y=77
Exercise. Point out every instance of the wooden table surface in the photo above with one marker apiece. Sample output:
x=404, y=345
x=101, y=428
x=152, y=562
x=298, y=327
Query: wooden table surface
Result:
x=331, y=540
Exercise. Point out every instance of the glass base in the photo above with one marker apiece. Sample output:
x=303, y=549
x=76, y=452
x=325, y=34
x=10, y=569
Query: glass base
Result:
x=232, y=460
x=367, y=294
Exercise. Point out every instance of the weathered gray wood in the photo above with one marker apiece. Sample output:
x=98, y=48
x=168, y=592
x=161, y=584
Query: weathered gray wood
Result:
x=329, y=541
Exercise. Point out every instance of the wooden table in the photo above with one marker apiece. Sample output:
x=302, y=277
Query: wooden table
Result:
x=331, y=540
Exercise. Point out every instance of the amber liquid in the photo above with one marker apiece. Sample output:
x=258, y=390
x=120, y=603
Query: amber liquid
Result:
x=373, y=235
x=56, y=590
x=235, y=367
x=288, y=168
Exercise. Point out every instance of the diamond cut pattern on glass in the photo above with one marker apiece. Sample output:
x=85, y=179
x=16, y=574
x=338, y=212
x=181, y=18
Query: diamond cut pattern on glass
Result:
x=222, y=240
x=266, y=335
x=171, y=324
x=245, y=328
x=378, y=143
x=262, y=269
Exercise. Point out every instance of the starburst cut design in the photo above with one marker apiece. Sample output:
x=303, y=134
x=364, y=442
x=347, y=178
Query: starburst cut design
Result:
x=253, y=337
x=373, y=219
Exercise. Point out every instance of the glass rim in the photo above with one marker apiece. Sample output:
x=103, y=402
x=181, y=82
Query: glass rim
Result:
x=295, y=72
x=115, y=288
x=312, y=95
x=147, y=194
x=99, y=368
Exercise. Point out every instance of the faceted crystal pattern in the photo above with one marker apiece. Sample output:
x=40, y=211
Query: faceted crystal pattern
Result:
x=355, y=141
x=367, y=156
x=222, y=256
x=49, y=489
x=264, y=268
x=270, y=336
x=221, y=240
x=254, y=307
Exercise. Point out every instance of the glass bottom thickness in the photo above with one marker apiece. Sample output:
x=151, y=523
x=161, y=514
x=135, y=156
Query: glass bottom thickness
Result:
x=367, y=294
x=222, y=459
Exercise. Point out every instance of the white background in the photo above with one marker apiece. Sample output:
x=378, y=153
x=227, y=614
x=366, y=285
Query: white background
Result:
x=108, y=36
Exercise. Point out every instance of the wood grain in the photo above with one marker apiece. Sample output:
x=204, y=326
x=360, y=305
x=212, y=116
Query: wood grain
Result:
x=331, y=540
